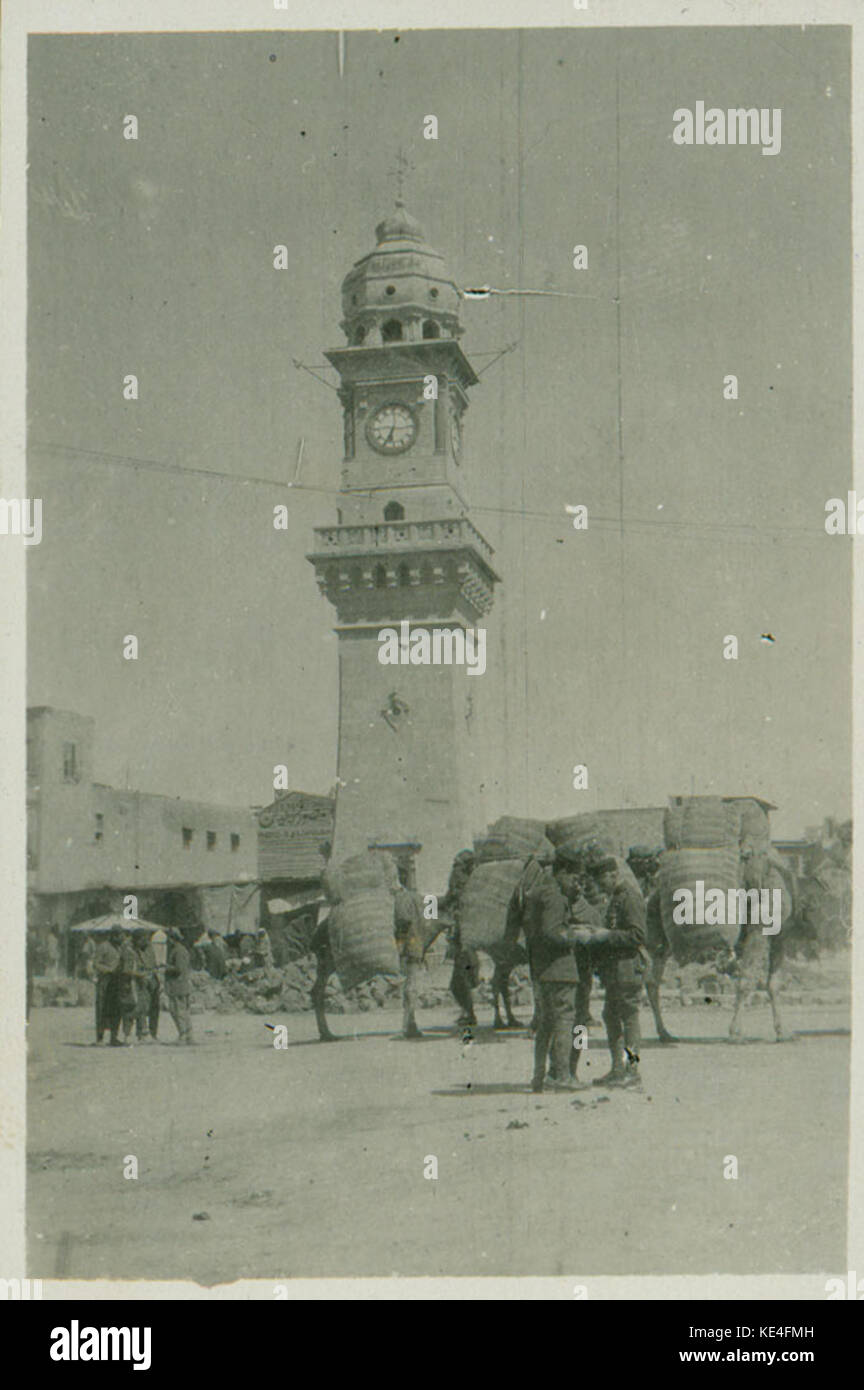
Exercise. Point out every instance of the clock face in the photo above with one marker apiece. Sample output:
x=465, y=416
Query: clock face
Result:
x=392, y=428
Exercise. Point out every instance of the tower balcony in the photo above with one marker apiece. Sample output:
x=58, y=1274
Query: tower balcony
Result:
x=400, y=569
x=401, y=535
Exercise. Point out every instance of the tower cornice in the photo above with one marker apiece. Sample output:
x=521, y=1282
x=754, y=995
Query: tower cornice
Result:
x=358, y=363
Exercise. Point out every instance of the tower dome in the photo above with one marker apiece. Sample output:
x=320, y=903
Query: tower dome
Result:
x=401, y=291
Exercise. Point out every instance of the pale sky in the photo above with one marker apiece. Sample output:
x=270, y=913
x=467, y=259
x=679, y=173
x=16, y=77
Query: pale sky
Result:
x=605, y=646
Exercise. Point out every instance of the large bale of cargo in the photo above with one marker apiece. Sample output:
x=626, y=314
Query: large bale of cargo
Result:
x=493, y=849
x=486, y=903
x=701, y=822
x=361, y=873
x=361, y=937
x=513, y=838
x=686, y=868
x=526, y=836
x=586, y=831
x=754, y=825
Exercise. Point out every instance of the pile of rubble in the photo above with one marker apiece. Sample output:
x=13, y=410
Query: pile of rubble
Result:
x=62, y=993
x=288, y=989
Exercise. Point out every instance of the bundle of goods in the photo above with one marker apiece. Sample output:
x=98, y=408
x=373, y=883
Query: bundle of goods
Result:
x=588, y=831
x=699, y=871
x=702, y=822
x=754, y=826
x=823, y=920
x=526, y=836
x=486, y=903
x=359, y=874
x=361, y=937
x=512, y=838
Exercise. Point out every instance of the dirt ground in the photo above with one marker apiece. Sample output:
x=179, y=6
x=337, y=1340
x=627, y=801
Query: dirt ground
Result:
x=309, y=1161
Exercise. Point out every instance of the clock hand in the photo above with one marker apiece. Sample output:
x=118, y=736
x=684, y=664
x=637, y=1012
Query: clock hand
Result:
x=390, y=435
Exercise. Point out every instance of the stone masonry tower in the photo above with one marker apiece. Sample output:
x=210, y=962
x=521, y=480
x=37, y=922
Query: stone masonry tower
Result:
x=403, y=551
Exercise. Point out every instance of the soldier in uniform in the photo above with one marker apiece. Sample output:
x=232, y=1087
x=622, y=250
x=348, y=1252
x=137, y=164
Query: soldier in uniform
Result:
x=127, y=978
x=408, y=931
x=619, y=952
x=105, y=963
x=177, y=985
x=554, y=971
x=147, y=987
x=465, y=963
x=645, y=863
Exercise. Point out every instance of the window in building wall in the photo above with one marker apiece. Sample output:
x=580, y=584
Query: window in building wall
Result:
x=70, y=762
x=211, y=839
x=187, y=837
x=235, y=843
x=394, y=511
x=99, y=827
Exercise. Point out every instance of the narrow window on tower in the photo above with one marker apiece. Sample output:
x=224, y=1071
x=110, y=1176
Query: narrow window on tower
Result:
x=70, y=762
x=380, y=577
x=348, y=432
x=391, y=331
x=211, y=839
x=394, y=511
x=404, y=576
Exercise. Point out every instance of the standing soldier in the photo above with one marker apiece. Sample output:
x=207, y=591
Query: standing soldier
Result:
x=545, y=918
x=619, y=951
x=407, y=928
x=466, y=966
x=105, y=963
x=177, y=985
x=147, y=1011
x=127, y=978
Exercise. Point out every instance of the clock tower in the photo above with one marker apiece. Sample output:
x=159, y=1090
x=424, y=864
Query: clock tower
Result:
x=405, y=551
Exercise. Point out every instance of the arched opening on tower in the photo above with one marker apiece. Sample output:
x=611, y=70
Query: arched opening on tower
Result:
x=391, y=331
x=431, y=329
x=380, y=577
x=404, y=576
x=358, y=335
x=394, y=511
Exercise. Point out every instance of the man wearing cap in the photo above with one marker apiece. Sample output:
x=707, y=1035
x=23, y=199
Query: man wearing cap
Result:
x=408, y=931
x=105, y=962
x=545, y=918
x=147, y=1010
x=645, y=864
x=177, y=985
x=466, y=966
x=620, y=954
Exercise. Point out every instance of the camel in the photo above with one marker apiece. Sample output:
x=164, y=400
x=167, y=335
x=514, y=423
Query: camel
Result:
x=758, y=956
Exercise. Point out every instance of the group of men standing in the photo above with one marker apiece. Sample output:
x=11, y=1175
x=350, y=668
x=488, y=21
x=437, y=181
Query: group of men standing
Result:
x=130, y=982
x=569, y=936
